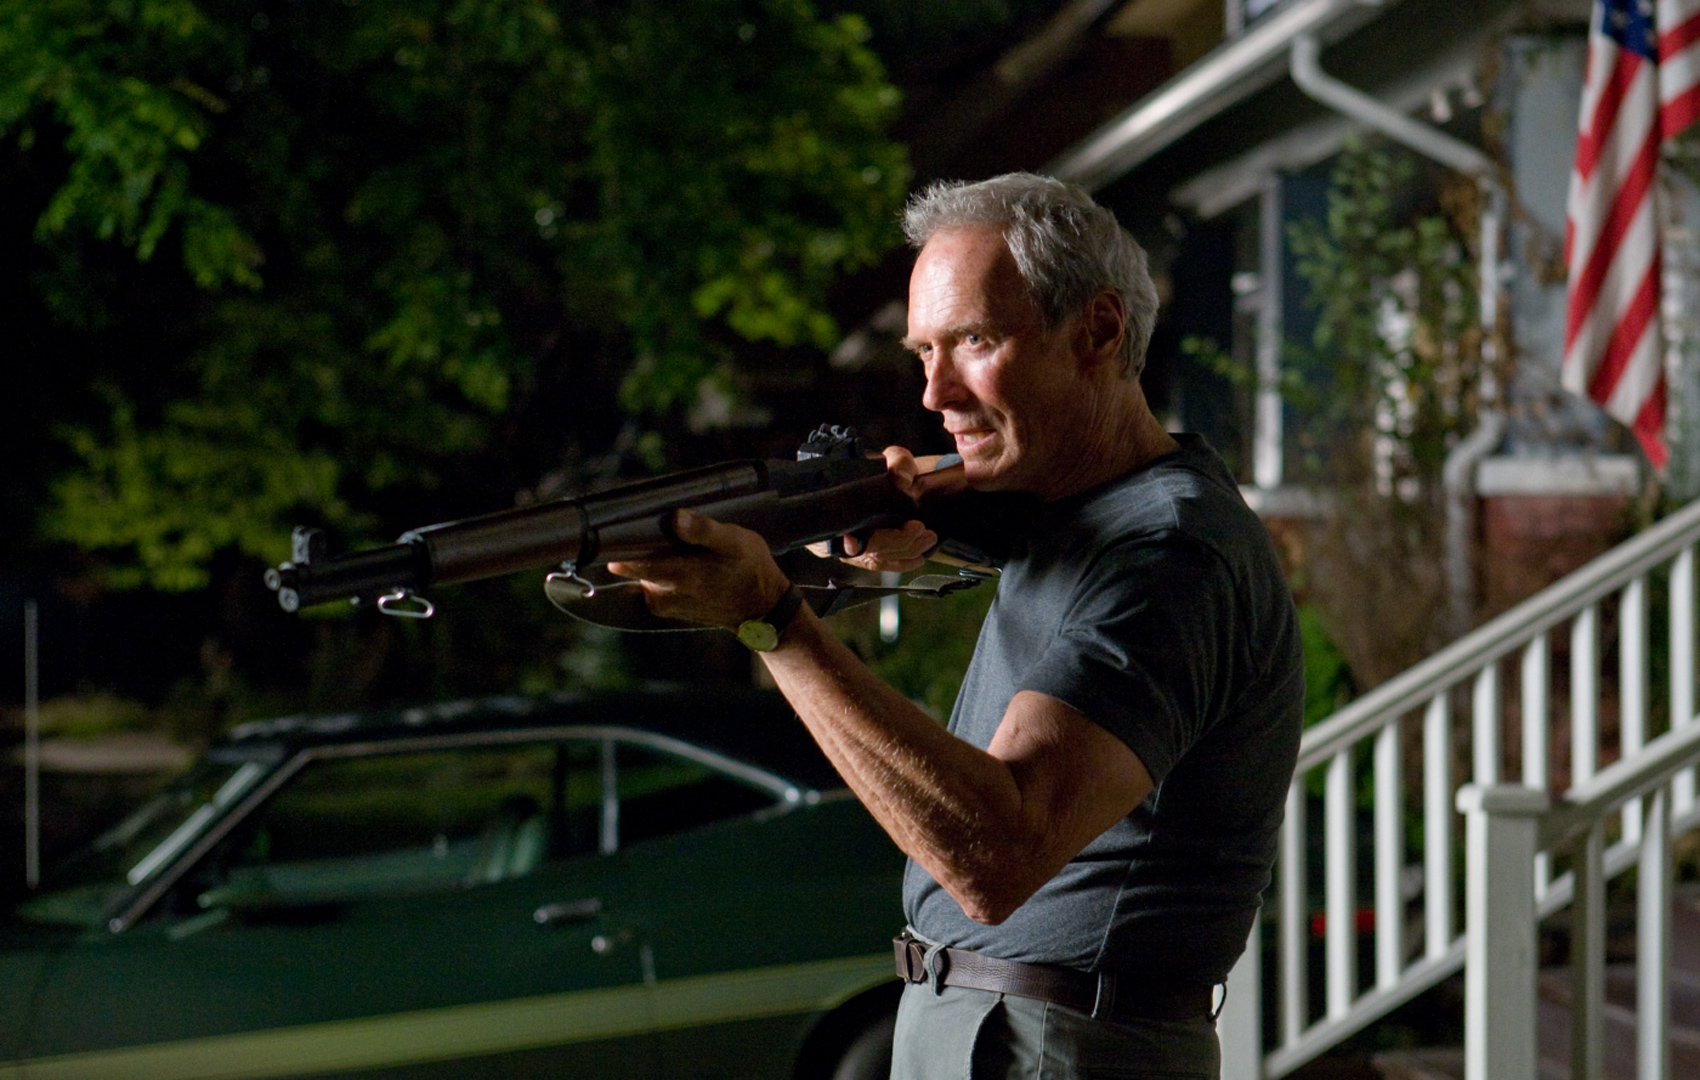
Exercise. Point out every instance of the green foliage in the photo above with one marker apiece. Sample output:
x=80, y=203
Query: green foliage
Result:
x=1395, y=357
x=934, y=644
x=1328, y=678
x=103, y=73
x=392, y=221
x=90, y=716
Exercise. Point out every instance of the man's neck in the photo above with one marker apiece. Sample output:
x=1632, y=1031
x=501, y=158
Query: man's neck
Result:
x=1121, y=436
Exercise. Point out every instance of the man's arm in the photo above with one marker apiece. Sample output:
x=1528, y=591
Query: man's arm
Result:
x=991, y=826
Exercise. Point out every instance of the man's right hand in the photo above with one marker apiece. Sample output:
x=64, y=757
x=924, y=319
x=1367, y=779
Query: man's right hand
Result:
x=906, y=548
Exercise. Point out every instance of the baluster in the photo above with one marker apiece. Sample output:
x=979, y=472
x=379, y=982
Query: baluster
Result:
x=1295, y=926
x=1437, y=827
x=1632, y=688
x=1535, y=712
x=1485, y=728
x=1653, y=943
x=1341, y=934
x=1502, y=825
x=1682, y=667
x=1588, y=956
x=1239, y=1027
x=1584, y=694
x=1389, y=857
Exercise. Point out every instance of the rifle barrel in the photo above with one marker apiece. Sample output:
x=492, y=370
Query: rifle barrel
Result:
x=783, y=500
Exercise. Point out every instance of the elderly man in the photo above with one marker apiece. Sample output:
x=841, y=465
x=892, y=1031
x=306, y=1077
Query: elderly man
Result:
x=1089, y=839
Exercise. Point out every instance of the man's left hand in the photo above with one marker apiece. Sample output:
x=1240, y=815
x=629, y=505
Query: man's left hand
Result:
x=728, y=576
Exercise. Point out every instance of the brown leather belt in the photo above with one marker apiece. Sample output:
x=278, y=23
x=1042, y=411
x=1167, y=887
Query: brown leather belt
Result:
x=1102, y=995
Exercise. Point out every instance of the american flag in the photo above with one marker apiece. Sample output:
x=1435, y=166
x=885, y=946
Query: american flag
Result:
x=1642, y=89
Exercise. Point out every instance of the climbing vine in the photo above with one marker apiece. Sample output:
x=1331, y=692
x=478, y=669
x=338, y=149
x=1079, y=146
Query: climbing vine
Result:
x=1393, y=366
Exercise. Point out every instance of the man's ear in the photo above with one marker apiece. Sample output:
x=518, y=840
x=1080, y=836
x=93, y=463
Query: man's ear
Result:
x=1102, y=327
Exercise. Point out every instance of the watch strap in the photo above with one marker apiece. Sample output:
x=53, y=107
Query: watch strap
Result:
x=762, y=635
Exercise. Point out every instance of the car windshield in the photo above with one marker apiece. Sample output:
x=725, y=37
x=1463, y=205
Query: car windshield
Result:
x=79, y=892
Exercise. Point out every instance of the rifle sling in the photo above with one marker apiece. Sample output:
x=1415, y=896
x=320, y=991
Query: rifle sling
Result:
x=618, y=603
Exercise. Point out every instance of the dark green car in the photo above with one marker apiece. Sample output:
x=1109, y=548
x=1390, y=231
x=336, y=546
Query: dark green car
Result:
x=650, y=884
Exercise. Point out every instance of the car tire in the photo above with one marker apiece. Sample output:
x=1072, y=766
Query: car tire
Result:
x=868, y=1055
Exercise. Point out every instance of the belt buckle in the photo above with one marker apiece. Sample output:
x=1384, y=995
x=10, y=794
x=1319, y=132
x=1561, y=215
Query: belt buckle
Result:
x=911, y=958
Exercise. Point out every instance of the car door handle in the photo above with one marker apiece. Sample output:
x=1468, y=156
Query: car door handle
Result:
x=566, y=912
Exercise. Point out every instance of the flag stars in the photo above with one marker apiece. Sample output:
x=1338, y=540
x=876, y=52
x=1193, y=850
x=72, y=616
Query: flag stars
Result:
x=1630, y=24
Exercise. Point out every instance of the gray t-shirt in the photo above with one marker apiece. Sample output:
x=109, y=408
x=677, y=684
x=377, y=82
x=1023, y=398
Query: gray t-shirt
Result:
x=1156, y=607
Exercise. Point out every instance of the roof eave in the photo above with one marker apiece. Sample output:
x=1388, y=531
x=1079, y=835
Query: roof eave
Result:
x=1230, y=73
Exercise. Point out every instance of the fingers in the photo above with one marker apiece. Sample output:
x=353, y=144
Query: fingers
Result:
x=892, y=549
x=699, y=530
x=901, y=467
x=913, y=539
x=728, y=577
x=899, y=459
x=940, y=482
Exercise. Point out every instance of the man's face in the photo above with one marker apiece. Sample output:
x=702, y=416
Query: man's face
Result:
x=1007, y=391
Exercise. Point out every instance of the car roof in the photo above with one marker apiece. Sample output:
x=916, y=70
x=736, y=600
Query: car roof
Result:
x=739, y=721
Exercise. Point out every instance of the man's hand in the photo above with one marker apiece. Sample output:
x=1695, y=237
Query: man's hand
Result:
x=729, y=577
x=905, y=548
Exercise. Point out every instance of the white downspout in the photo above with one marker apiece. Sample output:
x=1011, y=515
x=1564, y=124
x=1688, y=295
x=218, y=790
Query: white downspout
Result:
x=1267, y=420
x=1460, y=470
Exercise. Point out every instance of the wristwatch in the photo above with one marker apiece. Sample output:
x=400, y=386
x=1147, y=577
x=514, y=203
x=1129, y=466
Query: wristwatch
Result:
x=762, y=635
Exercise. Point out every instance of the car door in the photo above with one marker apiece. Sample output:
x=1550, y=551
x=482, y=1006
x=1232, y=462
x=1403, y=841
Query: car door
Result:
x=449, y=910
x=759, y=916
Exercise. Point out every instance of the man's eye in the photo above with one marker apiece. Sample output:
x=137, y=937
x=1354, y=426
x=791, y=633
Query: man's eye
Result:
x=972, y=339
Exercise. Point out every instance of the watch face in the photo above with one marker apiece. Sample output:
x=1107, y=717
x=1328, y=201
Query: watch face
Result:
x=758, y=635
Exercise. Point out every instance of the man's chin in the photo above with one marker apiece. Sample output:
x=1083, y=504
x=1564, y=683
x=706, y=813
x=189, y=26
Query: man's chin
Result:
x=984, y=476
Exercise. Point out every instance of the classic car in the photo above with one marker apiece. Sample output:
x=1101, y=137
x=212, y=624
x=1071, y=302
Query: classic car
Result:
x=652, y=883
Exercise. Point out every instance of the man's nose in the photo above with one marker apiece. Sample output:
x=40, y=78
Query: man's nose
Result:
x=943, y=388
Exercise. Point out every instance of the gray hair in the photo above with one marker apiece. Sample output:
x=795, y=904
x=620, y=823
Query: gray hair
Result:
x=1066, y=247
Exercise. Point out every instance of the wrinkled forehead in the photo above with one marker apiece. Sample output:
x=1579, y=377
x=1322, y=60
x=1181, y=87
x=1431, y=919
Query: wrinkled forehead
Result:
x=967, y=274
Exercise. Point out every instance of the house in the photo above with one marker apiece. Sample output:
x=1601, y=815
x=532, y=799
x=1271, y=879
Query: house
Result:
x=1214, y=167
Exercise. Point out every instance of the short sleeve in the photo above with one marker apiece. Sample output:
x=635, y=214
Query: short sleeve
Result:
x=1143, y=643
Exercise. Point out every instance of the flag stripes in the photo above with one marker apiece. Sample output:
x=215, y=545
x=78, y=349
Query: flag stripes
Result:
x=1642, y=89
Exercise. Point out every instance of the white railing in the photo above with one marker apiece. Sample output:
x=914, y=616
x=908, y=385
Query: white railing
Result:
x=1419, y=732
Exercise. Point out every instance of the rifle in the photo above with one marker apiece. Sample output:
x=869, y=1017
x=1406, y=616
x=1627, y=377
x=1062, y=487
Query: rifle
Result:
x=833, y=488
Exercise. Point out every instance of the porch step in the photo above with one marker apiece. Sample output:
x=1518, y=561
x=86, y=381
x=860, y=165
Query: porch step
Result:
x=1553, y=1036
x=1432, y=1063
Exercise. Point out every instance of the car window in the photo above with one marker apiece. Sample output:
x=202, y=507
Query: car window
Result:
x=345, y=828
x=78, y=892
x=660, y=795
x=390, y=824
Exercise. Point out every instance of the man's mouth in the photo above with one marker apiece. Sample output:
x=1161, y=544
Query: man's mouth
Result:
x=967, y=440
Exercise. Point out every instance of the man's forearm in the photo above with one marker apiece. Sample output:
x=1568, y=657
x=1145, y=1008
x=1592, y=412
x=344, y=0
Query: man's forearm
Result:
x=952, y=807
x=990, y=825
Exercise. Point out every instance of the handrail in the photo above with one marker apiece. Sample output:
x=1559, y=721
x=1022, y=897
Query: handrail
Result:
x=1499, y=636
x=1619, y=782
x=1651, y=784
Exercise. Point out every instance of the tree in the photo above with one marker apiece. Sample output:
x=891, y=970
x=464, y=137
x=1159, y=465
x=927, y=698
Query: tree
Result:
x=391, y=259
